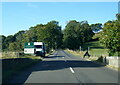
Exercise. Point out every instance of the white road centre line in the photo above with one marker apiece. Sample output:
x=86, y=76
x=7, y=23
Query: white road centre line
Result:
x=72, y=70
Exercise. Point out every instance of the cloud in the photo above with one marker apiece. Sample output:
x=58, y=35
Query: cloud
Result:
x=32, y=5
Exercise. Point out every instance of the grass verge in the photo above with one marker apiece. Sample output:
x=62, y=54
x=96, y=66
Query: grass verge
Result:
x=95, y=59
x=12, y=66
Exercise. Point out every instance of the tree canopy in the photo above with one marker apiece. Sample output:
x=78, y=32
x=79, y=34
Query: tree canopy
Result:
x=49, y=33
x=110, y=36
x=76, y=33
x=73, y=36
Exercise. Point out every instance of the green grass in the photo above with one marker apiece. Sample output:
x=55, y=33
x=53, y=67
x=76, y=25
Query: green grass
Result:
x=13, y=64
x=96, y=51
x=95, y=48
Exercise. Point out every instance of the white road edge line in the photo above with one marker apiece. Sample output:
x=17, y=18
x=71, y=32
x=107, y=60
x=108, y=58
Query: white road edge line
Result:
x=72, y=70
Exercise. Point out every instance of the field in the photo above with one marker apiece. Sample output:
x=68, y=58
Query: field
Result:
x=96, y=49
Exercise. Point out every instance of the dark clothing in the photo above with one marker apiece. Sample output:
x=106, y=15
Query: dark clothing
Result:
x=86, y=54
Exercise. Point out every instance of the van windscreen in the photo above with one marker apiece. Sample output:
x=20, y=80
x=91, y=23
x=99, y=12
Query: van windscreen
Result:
x=38, y=46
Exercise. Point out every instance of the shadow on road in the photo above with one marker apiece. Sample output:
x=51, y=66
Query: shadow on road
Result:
x=61, y=64
x=13, y=66
x=52, y=56
x=51, y=65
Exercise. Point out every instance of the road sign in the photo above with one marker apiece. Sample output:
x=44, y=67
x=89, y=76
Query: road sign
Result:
x=29, y=45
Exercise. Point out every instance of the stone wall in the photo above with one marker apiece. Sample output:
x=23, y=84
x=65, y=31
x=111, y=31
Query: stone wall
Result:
x=112, y=60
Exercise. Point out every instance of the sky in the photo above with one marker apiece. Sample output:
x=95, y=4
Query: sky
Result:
x=18, y=16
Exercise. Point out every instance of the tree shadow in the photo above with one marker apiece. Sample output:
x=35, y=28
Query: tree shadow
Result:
x=49, y=65
x=12, y=66
x=97, y=48
x=52, y=56
x=13, y=62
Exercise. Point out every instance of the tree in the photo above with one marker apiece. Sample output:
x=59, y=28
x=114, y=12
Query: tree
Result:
x=19, y=35
x=18, y=40
x=30, y=35
x=12, y=46
x=2, y=41
x=9, y=39
x=118, y=16
x=51, y=34
x=110, y=37
x=86, y=31
x=76, y=33
x=96, y=27
x=70, y=35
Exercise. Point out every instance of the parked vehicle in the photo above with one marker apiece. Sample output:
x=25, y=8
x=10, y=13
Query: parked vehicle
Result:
x=35, y=48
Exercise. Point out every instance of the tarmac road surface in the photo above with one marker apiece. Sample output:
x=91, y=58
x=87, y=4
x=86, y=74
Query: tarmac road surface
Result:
x=62, y=67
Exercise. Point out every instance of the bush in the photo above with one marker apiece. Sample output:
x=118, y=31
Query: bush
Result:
x=100, y=59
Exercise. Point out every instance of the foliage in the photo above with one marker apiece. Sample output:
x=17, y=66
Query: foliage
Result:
x=49, y=33
x=73, y=36
x=118, y=16
x=110, y=37
x=2, y=40
x=96, y=27
x=76, y=33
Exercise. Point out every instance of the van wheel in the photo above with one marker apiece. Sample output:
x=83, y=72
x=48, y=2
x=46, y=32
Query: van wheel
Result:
x=43, y=55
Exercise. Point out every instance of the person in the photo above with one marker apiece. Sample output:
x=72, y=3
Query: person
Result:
x=86, y=54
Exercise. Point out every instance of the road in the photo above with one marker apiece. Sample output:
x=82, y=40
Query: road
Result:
x=62, y=67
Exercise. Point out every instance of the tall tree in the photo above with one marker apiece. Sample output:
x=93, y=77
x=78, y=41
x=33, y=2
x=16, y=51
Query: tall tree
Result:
x=9, y=39
x=51, y=34
x=110, y=37
x=76, y=33
x=2, y=41
x=70, y=35
x=18, y=40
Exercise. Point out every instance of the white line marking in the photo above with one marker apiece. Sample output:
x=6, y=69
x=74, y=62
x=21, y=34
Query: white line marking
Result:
x=72, y=70
x=62, y=57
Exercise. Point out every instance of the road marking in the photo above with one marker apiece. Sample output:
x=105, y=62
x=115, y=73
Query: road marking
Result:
x=72, y=70
x=62, y=57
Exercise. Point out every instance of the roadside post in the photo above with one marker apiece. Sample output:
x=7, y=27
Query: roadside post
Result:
x=88, y=48
x=80, y=48
x=88, y=52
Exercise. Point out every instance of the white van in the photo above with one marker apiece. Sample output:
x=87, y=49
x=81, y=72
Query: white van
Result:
x=36, y=48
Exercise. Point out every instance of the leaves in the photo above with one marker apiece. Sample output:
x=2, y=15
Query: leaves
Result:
x=76, y=33
x=51, y=34
x=110, y=37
